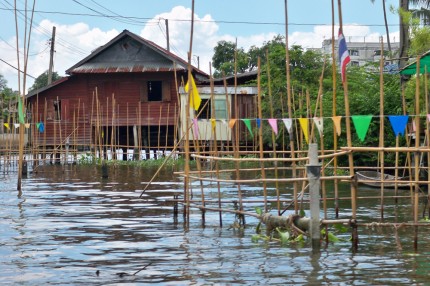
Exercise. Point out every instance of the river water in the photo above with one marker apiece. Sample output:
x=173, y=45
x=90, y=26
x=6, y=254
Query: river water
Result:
x=72, y=227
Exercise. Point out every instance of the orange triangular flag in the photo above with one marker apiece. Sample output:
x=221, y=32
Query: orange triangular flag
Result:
x=231, y=123
x=336, y=122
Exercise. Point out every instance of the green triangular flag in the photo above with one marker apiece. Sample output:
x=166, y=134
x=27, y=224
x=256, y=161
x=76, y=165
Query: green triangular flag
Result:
x=361, y=124
x=248, y=124
x=21, y=118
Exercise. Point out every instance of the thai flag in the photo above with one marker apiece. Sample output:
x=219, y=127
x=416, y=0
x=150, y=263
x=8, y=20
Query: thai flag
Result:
x=344, y=58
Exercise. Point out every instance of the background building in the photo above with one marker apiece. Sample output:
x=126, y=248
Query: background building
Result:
x=363, y=53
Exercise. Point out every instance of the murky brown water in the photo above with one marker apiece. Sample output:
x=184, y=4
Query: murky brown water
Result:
x=70, y=223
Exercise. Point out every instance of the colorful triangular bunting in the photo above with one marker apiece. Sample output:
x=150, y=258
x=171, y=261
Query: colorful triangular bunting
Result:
x=274, y=124
x=258, y=121
x=304, y=124
x=195, y=128
x=231, y=123
x=336, y=123
x=319, y=123
x=398, y=123
x=248, y=124
x=288, y=122
x=361, y=124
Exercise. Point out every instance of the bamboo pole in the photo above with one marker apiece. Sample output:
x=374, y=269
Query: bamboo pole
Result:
x=149, y=129
x=381, y=124
x=215, y=147
x=159, y=127
x=349, y=142
x=289, y=104
x=417, y=154
x=45, y=116
x=167, y=126
x=236, y=130
x=187, y=109
x=335, y=140
x=260, y=132
x=112, y=133
x=78, y=133
x=427, y=133
x=278, y=205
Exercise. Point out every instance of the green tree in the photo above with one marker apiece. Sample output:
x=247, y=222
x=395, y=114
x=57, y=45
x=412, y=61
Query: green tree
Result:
x=42, y=80
x=8, y=97
x=386, y=25
x=224, y=58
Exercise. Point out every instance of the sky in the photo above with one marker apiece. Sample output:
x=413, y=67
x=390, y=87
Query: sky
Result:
x=84, y=25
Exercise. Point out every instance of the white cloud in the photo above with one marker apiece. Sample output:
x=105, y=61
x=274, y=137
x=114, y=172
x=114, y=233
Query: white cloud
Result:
x=76, y=41
x=205, y=35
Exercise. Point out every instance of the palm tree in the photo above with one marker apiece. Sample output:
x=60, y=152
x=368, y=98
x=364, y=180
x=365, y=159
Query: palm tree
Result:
x=386, y=26
x=422, y=12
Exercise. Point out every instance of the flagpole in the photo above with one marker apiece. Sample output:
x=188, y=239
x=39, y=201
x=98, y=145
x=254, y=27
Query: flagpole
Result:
x=349, y=141
x=335, y=139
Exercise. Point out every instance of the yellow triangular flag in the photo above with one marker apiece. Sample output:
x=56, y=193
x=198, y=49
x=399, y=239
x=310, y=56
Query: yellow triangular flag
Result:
x=213, y=122
x=304, y=124
x=27, y=125
x=195, y=99
x=6, y=125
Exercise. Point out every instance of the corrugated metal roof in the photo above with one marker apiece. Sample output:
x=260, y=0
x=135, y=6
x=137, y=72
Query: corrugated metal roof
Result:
x=128, y=52
x=57, y=82
x=123, y=67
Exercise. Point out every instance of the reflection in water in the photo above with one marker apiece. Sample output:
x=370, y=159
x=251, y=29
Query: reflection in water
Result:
x=71, y=226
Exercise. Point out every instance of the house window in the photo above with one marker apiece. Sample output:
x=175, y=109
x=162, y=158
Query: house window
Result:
x=154, y=91
x=204, y=109
x=57, y=109
x=220, y=109
x=378, y=53
x=355, y=63
x=353, y=52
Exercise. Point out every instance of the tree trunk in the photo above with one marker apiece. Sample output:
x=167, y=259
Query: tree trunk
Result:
x=404, y=36
x=386, y=30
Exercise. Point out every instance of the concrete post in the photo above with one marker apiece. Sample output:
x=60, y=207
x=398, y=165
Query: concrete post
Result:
x=314, y=170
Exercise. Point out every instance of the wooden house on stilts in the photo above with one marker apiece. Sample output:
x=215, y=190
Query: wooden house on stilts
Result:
x=125, y=94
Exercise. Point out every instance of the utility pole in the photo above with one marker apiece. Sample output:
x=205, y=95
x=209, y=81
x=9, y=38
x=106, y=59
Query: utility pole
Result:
x=167, y=34
x=51, y=58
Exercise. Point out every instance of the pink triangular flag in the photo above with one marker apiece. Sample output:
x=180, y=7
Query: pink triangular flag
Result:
x=274, y=123
x=195, y=128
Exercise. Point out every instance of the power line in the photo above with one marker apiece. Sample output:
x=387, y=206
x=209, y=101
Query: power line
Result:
x=72, y=48
x=16, y=68
x=202, y=21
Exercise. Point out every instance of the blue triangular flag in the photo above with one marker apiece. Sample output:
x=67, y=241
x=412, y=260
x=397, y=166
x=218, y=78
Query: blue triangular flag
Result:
x=41, y=127
x=258, y=121
x=398, y=123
